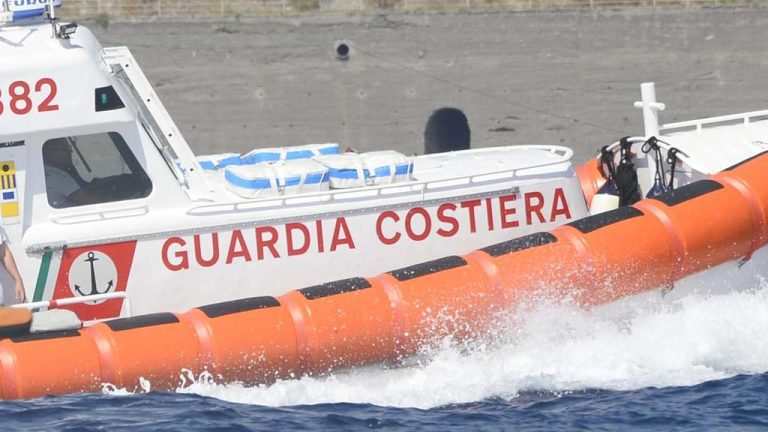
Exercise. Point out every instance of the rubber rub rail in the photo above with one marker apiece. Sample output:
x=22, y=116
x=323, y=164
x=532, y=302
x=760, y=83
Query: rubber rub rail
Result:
x=384, y=318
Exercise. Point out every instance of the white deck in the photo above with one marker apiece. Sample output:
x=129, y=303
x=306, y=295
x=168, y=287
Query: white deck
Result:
x=715, y=144
x=522, y=161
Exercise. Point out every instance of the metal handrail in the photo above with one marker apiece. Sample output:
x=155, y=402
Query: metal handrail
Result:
x=52, y=304
x=633, y=140
x=406, y=187
x=152, y=109
x=681, y=156
x=100, y=215
x=711, y=121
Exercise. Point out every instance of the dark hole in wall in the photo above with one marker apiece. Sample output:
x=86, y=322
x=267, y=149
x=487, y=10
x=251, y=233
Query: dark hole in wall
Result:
x=342, y=51
x=447, y=130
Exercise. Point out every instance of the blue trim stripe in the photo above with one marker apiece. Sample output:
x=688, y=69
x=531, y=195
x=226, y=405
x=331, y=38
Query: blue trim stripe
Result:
x=207, y=165
x=383, y=171
x=346, y=173
x=232, y=160
x=31, y=13
x=214, y=164
x=261, y=157
x=400, y=169
x=289, y=155
x=264, y=183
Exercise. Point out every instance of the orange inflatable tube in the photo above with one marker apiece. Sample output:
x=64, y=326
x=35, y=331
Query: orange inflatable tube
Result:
x=366, y=320
x=591, y=178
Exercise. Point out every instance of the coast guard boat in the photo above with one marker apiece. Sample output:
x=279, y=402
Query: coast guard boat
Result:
x=109, y=213
x=301, y=260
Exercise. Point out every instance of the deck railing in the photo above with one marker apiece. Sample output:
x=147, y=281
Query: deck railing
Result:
x=562, y=155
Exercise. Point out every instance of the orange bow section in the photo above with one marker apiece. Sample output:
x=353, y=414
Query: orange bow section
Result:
x=591, y=178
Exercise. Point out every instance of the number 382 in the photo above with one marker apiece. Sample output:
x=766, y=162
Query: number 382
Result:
x=18, y=98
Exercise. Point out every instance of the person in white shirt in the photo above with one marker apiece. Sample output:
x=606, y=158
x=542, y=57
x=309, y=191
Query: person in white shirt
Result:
x=9, y=273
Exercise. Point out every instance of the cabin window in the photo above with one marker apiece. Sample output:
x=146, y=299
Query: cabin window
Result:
x=107, y=99
x=92, y=169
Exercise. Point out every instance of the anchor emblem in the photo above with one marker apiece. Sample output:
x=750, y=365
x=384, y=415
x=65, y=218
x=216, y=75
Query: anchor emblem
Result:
x=92, y=272
x=94, y=288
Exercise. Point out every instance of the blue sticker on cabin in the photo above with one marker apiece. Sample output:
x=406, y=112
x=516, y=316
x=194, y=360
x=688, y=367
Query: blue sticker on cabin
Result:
x=23, y=9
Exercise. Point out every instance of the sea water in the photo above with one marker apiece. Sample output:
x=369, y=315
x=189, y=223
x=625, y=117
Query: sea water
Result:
x=661, y=362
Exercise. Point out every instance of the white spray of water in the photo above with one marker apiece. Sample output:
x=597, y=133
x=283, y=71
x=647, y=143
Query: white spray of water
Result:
x=644, y=341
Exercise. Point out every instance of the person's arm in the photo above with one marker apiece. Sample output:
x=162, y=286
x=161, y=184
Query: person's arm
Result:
x=10, y=265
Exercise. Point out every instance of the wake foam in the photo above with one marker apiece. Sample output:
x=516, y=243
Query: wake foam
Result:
x=645, y=341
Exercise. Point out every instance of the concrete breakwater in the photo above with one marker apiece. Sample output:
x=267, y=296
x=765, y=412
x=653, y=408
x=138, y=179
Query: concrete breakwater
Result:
x=566, y=78
x=174, y=9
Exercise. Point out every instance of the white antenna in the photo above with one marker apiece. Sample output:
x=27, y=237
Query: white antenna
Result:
x=50, y=15
x=5, y=12
x=650, y=108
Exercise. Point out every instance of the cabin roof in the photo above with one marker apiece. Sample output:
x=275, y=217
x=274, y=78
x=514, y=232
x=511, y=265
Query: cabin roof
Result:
x=68, y=71
x=36, y=42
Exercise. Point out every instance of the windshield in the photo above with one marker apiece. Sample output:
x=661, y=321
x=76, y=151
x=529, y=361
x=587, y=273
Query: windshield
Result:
x=92, y=169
